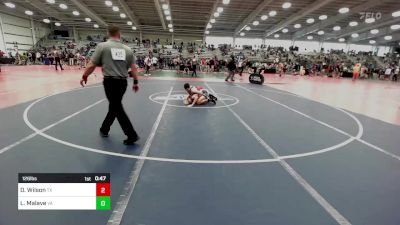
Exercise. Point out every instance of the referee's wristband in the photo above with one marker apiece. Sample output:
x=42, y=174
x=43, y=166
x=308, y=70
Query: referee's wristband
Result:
x=135, y=82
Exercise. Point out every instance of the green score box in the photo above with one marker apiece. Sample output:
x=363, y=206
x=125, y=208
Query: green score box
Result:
x=103, y=203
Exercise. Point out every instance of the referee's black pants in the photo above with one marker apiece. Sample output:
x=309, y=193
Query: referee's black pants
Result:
x=115, y=90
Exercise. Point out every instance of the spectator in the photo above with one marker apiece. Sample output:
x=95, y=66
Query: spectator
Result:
x=231, y=69
x=194, y=66
x=38, y=56
x=71, y=58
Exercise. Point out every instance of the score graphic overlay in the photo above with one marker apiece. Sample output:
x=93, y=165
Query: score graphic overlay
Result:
x=64, y=191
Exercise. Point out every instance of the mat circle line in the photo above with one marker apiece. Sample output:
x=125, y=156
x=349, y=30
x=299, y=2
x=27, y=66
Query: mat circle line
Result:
x=187, y=161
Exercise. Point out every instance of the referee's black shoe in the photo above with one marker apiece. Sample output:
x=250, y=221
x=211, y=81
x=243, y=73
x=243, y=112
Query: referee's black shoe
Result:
x=103, y=134
x=131, y=141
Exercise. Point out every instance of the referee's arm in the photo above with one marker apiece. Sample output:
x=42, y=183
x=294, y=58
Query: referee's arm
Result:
x=135, y=76
x=89, y=70
x=93, y=63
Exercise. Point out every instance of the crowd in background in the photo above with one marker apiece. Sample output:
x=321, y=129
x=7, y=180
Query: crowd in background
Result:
x=278, y=60
x=191, y=57
x=68, y=53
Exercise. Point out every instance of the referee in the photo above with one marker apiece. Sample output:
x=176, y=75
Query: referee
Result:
x=116, y=59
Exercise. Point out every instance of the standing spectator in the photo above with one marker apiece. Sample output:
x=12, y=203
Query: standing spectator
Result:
x=216, y=64
x=24, y=59
x=71, y=58
x=176, y=63
x=64, y=59
x=211, y=62
x=147, y=64
x=187, y=66
x=77, y=57
x=38, y=56
x=240, y=67
x=161, y=62
x=51, y=58
x=82, y=62
x=203, y=66
x=194, y=66
x=396, y=73
x=231, y=69
x=154, y=61
x=30, y=56
x=33, y=57
x=57, y=57
x=17, y=58
x=281, y=68
x=356, y=71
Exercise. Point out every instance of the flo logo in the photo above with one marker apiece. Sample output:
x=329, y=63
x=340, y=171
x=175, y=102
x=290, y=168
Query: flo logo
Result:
x=176, y=99
x=370, y=16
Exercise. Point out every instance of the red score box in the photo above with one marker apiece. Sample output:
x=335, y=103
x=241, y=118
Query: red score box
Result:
x=103, y=189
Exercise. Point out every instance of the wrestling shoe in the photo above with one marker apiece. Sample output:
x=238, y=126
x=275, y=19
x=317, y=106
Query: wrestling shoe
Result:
x=212, y=99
